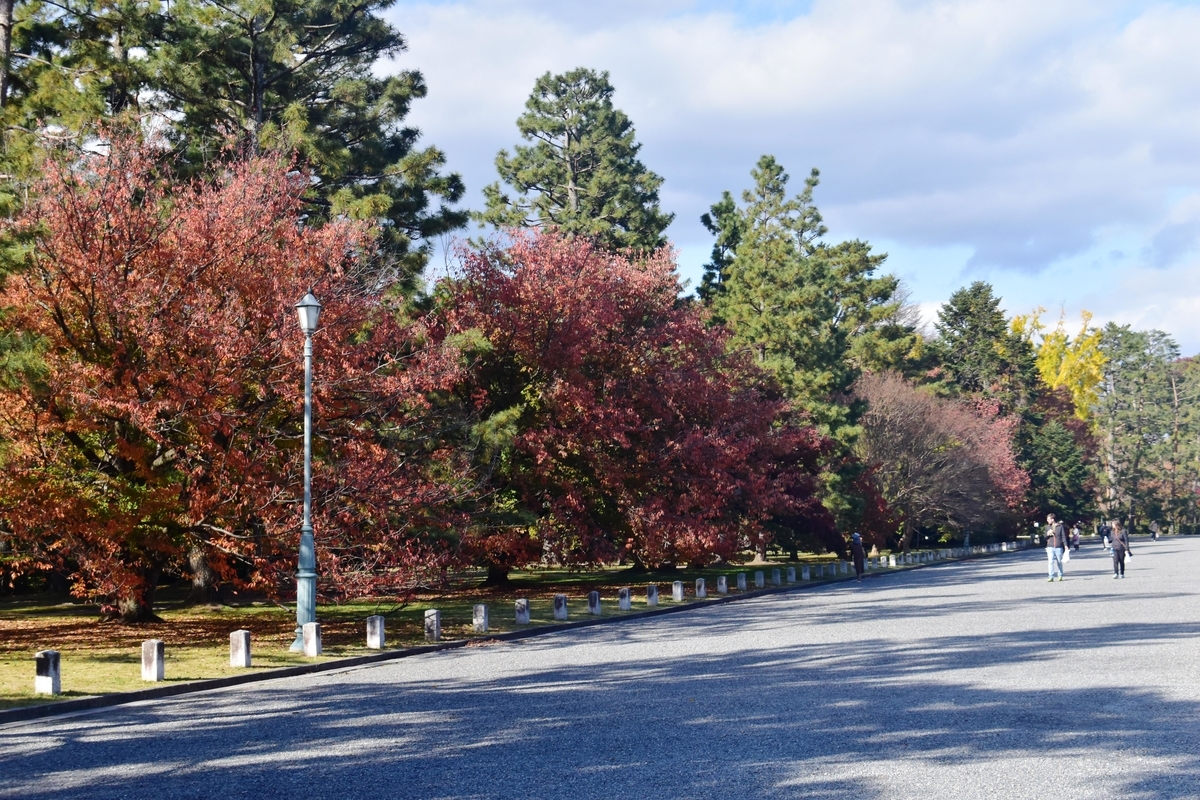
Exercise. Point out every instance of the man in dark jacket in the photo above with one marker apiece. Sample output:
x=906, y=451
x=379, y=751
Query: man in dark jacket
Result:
x=1120, y=547
x=1056, y=543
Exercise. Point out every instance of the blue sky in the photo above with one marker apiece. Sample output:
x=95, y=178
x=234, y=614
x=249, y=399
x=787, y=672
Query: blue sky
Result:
x=1049, y=147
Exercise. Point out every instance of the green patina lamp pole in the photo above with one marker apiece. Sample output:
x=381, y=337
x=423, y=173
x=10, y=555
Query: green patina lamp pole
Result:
x=309, y=311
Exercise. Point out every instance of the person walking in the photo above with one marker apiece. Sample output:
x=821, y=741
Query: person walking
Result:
x=1120, y=549
x=860, y=556
x=1056, y=543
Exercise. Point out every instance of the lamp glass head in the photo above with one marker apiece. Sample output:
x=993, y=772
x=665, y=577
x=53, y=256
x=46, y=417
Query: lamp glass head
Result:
x=309, y=311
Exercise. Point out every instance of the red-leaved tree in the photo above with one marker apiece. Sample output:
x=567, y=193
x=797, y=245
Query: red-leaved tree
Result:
x=934, y=460
x=165, y=419
x=613, y=423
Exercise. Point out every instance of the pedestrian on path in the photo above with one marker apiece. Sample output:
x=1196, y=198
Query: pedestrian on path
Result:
x=1120, y=549
x=1056, y=543
x=860, y=556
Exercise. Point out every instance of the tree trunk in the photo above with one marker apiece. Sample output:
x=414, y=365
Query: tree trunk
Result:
x=496, y=576
x=6, y=26
x=138, y=605
x=205, y=582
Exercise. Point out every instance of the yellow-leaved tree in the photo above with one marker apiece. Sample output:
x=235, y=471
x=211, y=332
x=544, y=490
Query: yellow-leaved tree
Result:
x=1074, y=363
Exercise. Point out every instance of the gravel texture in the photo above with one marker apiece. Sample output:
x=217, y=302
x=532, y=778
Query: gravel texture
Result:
x=960, y=680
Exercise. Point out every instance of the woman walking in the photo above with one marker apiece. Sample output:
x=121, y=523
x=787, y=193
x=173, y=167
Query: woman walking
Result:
x=1120, y=547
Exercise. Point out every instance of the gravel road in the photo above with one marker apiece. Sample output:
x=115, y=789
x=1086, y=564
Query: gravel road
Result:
x=960, y=680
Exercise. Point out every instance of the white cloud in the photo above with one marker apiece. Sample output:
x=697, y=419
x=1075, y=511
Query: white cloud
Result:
x=1030, y=140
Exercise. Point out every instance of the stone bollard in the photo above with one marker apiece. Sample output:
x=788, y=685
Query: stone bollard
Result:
x=594, y=603
x=479, y=618
x=677, y=591
x=845, y=567
x=153, y=653
x=560, y=607
x=651, y=595
x=522, y=609
x=741, y=581
x=759, y=581
x=821, y=570
x=701, y=588
x=722, y=585
x=623, y=600
x=376, y=636
x=775, y=581
x=433, y=625
x=891, y=561
x=806, y=573
x=47, y=675
x=239, y=649
x=312, y=638
x=791, y=574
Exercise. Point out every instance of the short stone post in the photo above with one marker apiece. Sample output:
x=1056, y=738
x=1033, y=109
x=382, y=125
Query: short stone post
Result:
x=623, y=600
x=791, y=574
x=741, y=581
x=433, y=625
x=722, y=585
x=47, y=673
x=775, y=579
x=239, y=648
x=594, y=603
x=701, y=588
x=759, y=581
x=805, y=573
x=376, y=637
x=677, y=591
x=651, y=595
x=312, y=638
x=891, y=561
x=479, y=618
x=522, y=611
x=560, y=607
x=845, y=567
x=153, y=653
x=821, y=570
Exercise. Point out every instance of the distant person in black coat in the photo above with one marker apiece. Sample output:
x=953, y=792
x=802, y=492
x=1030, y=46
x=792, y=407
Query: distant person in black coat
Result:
x=860, y=556
x=1120, y=548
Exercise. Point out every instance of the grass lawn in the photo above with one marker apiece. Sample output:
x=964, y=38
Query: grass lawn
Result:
x=103, y=657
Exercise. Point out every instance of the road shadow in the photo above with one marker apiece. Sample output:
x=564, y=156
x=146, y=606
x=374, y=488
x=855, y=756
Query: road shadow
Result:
x=765, y=722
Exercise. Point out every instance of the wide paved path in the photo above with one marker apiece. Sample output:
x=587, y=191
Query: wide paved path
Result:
x=969, y=680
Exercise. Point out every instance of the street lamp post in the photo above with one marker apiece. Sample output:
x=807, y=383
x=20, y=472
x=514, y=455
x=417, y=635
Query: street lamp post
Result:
x=309, y=311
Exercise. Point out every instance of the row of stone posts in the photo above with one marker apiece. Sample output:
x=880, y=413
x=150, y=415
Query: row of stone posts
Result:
x=48, y=666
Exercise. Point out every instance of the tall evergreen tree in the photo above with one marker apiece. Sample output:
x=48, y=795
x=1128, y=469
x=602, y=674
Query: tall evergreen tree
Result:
x=978, y=351
x=813, y=314
x=582, y=174
x=1135, y=419
x=292, y=74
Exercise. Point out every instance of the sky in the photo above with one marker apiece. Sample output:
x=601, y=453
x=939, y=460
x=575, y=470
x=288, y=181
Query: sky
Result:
x=1049, y=147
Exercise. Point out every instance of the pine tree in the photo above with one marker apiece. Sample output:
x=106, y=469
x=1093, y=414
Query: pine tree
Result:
x=284, y=74
x=581, y=175
x=979, y=353
x=813, y=314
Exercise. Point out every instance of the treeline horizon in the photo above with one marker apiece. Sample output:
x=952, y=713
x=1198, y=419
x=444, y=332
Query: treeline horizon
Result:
x=554, y=399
